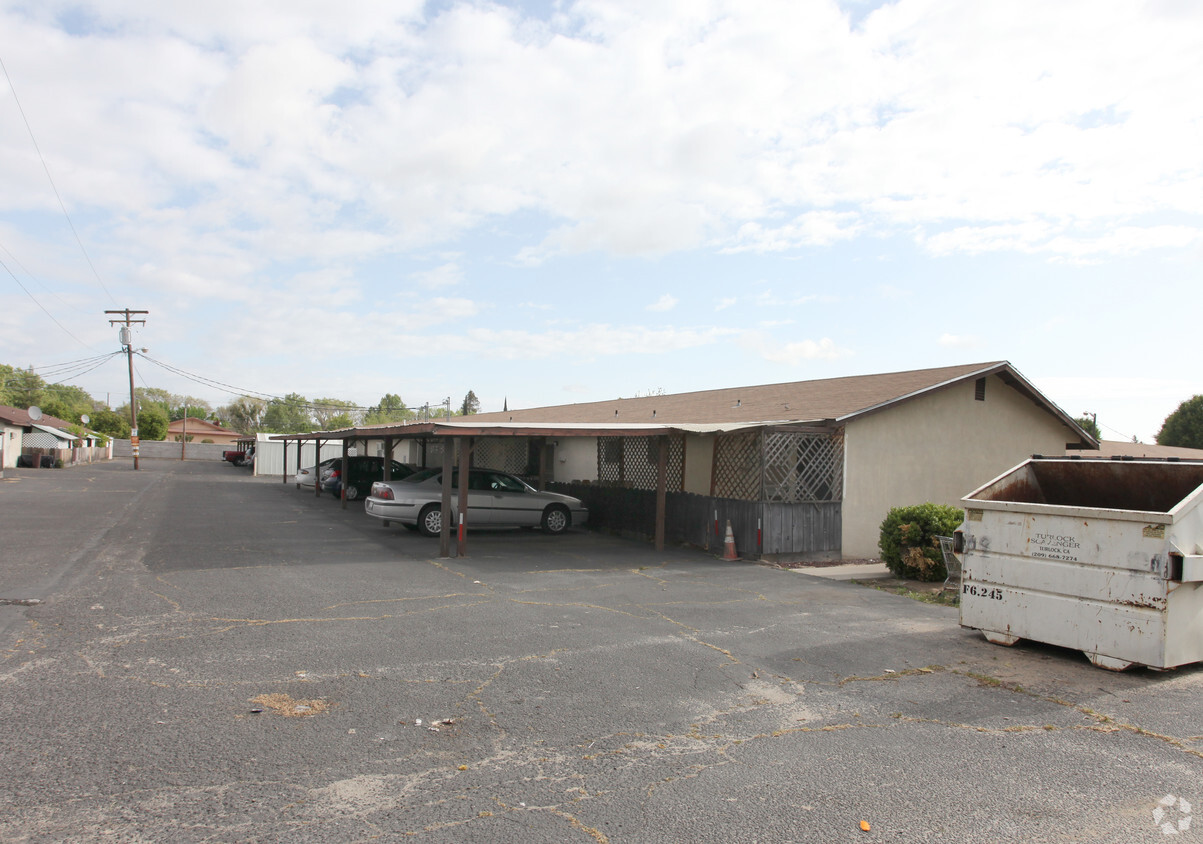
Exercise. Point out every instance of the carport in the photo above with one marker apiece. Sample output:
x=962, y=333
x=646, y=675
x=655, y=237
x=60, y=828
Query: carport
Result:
x=447, y=442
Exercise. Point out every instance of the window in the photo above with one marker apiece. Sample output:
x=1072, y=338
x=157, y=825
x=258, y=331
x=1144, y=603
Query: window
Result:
x=979, y=390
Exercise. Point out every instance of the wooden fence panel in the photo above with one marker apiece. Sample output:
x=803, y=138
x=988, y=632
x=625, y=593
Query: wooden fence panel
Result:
x=699, y=520
x=812, y=527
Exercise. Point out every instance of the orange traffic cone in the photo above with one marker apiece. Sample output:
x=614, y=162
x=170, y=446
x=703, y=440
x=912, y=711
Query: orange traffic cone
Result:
x=729, y=544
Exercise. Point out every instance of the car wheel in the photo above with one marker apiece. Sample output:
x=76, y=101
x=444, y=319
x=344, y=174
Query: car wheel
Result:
x=352, y=493
x=430, y=520
x=556, y=520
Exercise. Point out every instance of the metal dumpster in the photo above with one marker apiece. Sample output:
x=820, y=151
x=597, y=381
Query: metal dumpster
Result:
x=1100, y=555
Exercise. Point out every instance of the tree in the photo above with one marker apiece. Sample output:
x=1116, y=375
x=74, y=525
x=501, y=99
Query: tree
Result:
x=471, y=404
x=67, y=402
x=1090, y=426
x=148, y=396
x=110, y=423
x=244, y=415
x=152, y=423
x=1184, y=427
x=390, y=409
x=24, y=388
x=332, y=414
x=289, y=415
x=190, y=406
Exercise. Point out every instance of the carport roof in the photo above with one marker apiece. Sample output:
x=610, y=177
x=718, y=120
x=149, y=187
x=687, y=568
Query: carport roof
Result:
x=61, y=434
x=526, y=429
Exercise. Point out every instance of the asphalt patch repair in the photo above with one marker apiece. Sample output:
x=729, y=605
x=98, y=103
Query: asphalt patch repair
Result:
x=287, y=706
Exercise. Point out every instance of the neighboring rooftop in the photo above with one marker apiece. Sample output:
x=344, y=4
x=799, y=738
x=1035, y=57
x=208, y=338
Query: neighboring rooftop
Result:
x=20, y=418
x=197, y=426
x=1111, y=448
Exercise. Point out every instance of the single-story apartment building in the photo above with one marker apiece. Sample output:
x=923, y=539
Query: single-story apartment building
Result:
x=805, y=469
x=852, y=447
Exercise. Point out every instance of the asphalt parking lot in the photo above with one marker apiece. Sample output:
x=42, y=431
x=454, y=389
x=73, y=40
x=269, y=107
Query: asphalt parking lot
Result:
x=220, y=658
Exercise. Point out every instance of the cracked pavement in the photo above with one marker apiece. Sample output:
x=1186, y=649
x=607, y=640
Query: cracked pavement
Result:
x=222, y=658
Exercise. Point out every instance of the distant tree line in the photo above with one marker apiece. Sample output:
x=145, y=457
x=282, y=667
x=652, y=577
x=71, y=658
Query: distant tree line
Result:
x=249, y=415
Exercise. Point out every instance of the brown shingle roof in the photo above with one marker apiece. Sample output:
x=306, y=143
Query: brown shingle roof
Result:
x=798, y=401
x=196, y=426
x=20, y=418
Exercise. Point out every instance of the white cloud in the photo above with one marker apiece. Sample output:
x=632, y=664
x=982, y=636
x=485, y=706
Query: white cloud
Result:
x=638, y=130
x=725, y=302
x=441, y=309
x=664, y=303
x=958, y=341
x=815, y=228
x=792, y=353
x=442, y=276
x=587, y=342
x=771, y=299
x=893, y=293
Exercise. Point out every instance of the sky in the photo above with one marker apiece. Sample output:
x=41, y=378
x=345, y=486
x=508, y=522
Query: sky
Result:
x=555, y=201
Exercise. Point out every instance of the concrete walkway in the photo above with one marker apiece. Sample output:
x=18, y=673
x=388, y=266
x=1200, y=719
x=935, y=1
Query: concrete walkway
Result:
x=850, y=571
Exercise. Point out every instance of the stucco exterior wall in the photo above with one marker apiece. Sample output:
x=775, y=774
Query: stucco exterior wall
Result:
x=575, y=459
x=699, y=461
x=12, y=445
x=937, y=448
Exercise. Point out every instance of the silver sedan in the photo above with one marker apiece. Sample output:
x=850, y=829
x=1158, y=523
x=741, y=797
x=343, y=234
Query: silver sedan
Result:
x=495, y=499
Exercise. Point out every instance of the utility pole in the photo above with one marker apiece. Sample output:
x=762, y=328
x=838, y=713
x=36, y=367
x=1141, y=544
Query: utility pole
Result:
x=127, y=341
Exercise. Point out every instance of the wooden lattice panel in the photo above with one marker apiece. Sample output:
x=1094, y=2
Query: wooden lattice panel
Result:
x=434, y=452
x=609, y=461
x=737, y=471
x=631, y=462
x=509, y=454
x=803, y=467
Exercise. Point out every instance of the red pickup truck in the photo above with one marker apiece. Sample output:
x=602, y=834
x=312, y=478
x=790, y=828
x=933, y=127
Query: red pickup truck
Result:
x=233, y=456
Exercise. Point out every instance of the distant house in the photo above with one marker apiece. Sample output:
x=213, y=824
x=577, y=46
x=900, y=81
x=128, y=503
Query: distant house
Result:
x=201, y=430
x=819, y=463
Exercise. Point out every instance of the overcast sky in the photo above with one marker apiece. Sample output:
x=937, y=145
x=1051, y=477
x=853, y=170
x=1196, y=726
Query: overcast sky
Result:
x=550, y=202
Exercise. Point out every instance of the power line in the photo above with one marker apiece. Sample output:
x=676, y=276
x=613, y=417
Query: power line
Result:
x=41, y=284
x=39, y=304
x=54, y=368
x=85, y=371
x=53, y=187
x=240, y=391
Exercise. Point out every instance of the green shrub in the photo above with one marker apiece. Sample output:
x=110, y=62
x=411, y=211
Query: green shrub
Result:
x=908, y=543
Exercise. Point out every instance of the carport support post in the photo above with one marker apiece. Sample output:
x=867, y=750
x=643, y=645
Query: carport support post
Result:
x=284, y=463
x=661, y=489
x=388, y=458
x=542, y=446
x=465, y=479
x=300, y=445
x=445, y=530
x=342, y=486
x=317, y=476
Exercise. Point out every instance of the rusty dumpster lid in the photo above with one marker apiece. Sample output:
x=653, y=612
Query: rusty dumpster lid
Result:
x=1146, y=486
